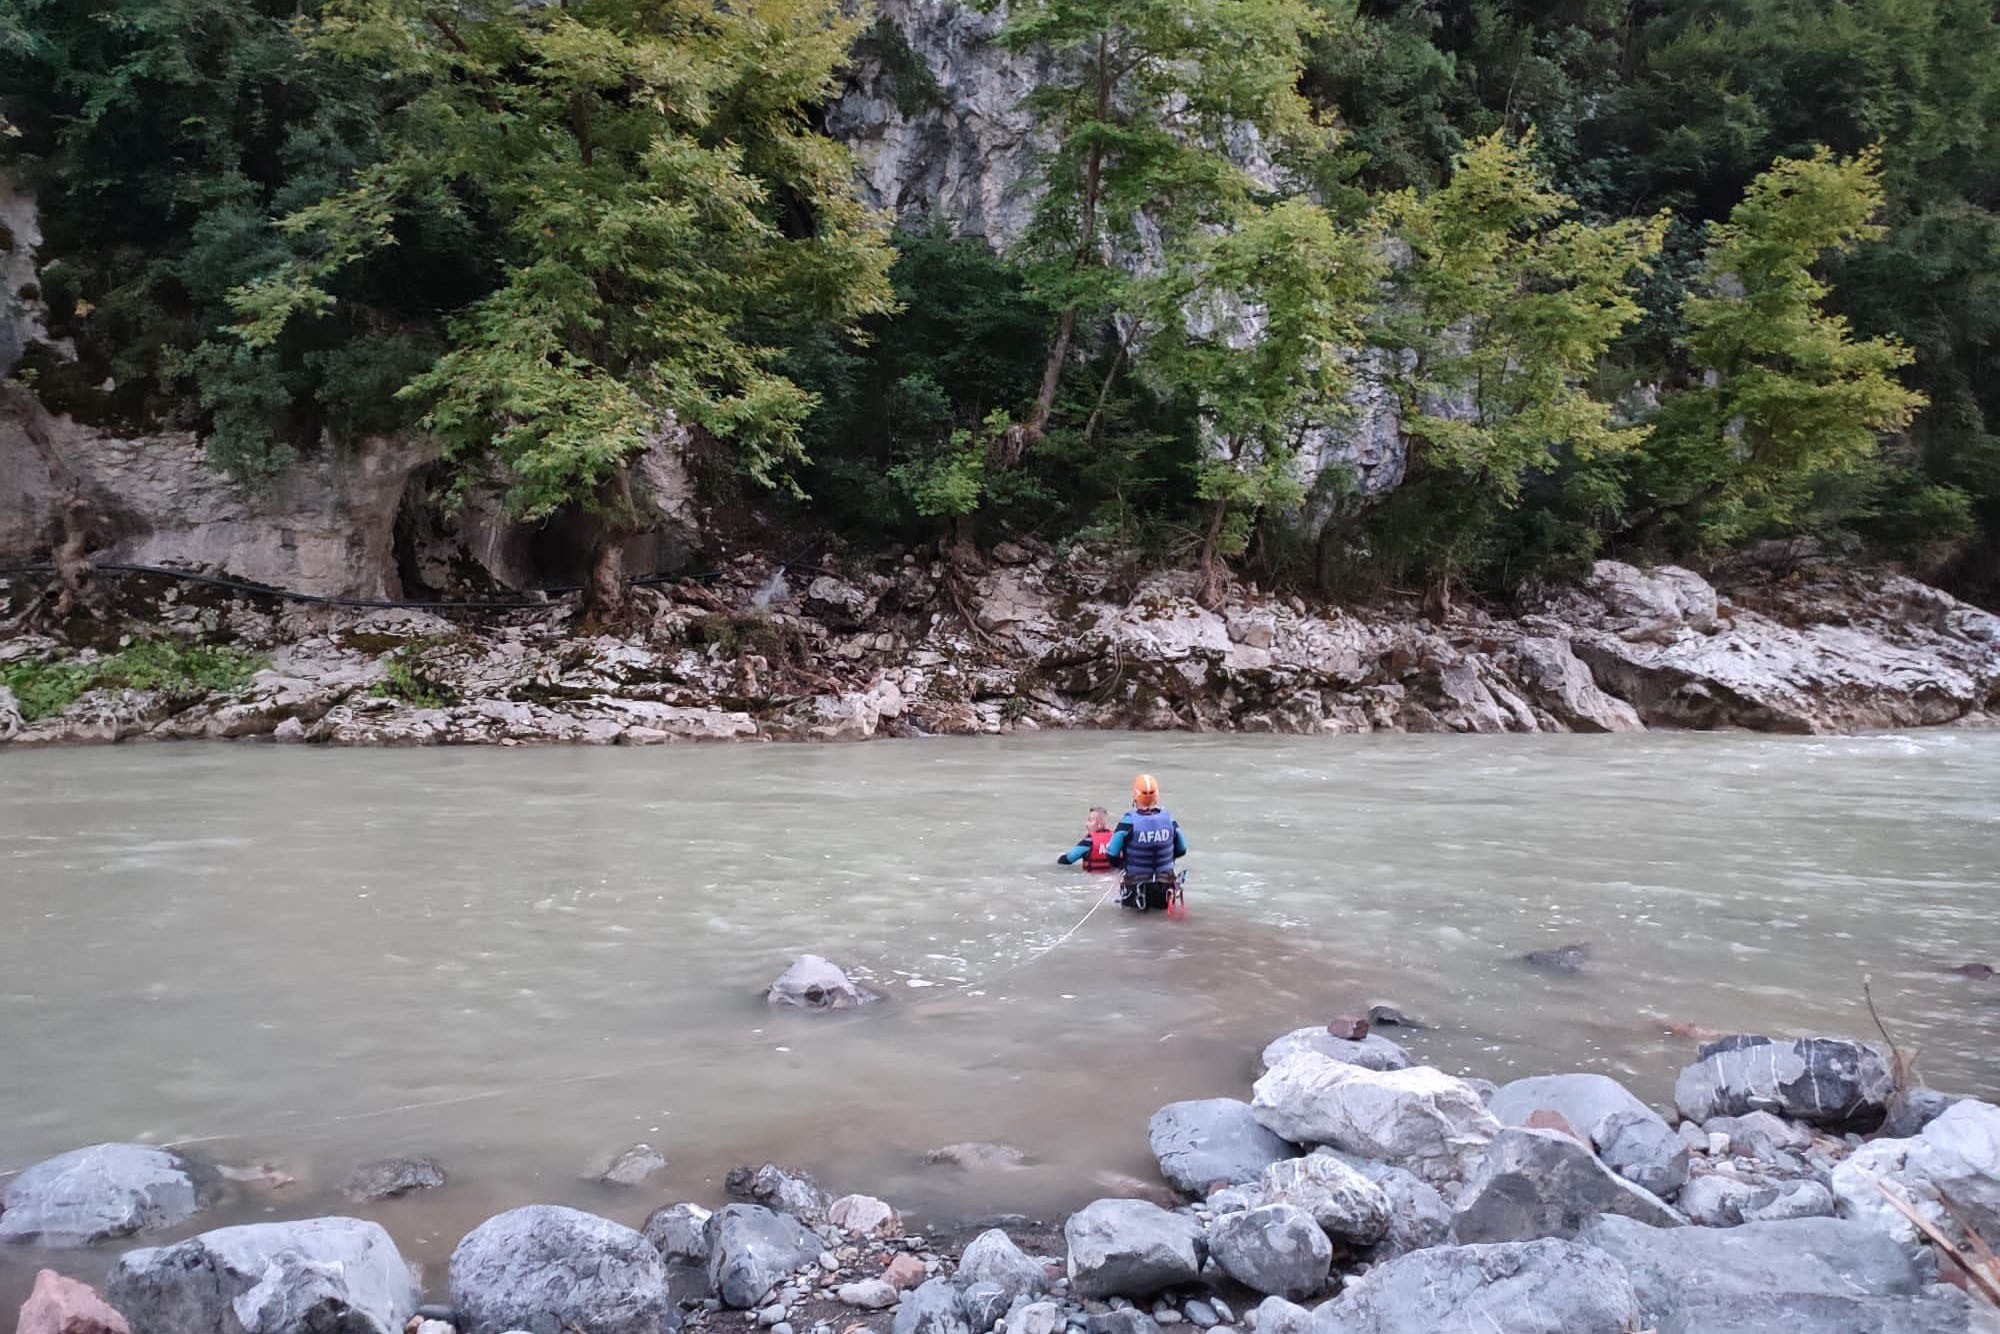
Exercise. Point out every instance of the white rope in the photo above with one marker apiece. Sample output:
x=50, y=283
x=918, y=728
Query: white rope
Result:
x=1044, y=950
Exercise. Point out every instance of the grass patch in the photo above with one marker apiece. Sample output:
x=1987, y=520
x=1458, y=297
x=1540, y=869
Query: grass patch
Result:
x=407, y=683
x=46, y=687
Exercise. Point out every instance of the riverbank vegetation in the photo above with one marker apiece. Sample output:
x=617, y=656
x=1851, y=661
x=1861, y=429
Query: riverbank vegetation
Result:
x=45, y=687
x=1642, y=280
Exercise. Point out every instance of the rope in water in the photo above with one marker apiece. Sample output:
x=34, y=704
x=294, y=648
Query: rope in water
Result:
x=432, y=1104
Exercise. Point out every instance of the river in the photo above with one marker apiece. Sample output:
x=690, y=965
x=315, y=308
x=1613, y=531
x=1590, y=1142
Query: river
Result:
x=523, y=960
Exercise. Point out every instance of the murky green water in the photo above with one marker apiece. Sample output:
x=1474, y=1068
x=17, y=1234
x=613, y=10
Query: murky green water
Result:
x=523, y=960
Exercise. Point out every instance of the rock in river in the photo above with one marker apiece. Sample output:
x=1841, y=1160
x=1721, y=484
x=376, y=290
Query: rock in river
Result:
x=1529, y=1287
x=547, y=1270
x=94, y=1194
x=1420, y=1119
x=1561, y=959
x=1275, y=1249
x=1542, y=1183
x=1826, y=1081
x=332, y=1274
x=1212, y=1140
x=812, y=983
x=785, y=1189
x=390, y=1177
x=751, y=1248
x=1129, y=1248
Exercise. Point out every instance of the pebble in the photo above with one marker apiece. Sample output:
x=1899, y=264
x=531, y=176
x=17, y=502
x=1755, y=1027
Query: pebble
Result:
x=711, y=1304
x=781, y=1328
x=828, y=1261
x=1718, y=1144
x=772, y=1316
x=1201, y=1314
x=1222, y=1311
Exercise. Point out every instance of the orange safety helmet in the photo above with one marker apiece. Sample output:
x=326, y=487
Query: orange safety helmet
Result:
x=1145, y=792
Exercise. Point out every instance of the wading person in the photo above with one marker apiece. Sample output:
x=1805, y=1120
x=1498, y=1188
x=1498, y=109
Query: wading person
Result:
x=1147, y=842
x=1093, y=849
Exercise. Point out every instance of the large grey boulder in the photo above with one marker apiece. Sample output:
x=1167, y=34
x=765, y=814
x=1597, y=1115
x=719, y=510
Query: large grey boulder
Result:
x=313, y=1276
x=1344, y=1202
x=1373, y=1052
x=813, y=983
x=1957, y=1156
x=1691, y=1278
x=1418, y=1215
x=1212, y=1139
x=550, y=1270
x=1633, y=1139
x=1420, y=1119
x=992, y=1257
x=1276, y=1249
x=1542, y=1183
x=750, y=1248
x=931, y=1309
x=679, y=1232
x=94, y=1194
x=1530, y=1287
x=1130, y=1248
x=1826, y=1081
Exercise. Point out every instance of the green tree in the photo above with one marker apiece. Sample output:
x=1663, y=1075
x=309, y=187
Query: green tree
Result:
x=1793, y=399
x=1256, y=331
x=1495, y=327
x=1152, y=105
x=658, y=194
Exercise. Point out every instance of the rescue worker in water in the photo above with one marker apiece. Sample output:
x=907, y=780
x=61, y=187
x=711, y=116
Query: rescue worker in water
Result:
x=1147, y=843
x=1091, y=848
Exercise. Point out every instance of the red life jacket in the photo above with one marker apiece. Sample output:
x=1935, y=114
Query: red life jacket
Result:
x=1097, y=859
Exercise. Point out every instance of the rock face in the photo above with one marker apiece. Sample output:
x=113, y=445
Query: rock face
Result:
x=1633, y=1140
x=1373, y=1051
x=751, y=1248
x=1542, y=1183
x=1957, y=1156
x=546, y=1270
x=392, y=1177
x=333, y=1274
x=61, y=1305
x=1419, y=1119
x=1520, y=1288
x=811, y=983
x=1338, y=1197
x=326, y=525
x=1212, y=1140
x=1826, y=1081
x=992, y=1257
x=1129, y=1248
x=1275, y=1249
x=1815, y=1274
x=94, y=1194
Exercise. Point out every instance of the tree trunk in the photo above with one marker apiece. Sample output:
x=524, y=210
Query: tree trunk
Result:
x=76, y=590
x=604, y=586
x=1212, y=570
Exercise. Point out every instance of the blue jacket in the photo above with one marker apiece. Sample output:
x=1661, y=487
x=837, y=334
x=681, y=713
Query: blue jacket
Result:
x=1149, y=842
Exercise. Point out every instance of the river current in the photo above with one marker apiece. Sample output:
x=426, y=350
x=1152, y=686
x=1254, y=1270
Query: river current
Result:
x=521, y=961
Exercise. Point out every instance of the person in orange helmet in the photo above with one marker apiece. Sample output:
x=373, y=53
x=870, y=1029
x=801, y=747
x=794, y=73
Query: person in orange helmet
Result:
x=1147, y=843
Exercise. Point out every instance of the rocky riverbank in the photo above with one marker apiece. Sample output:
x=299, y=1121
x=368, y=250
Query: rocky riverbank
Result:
x=903, y=646
x=1795, y=1184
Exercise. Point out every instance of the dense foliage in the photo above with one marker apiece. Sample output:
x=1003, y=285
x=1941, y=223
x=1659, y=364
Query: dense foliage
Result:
x=1642, y=278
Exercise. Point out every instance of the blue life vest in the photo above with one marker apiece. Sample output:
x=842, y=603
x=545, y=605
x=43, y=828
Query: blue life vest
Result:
x=1149, y=851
